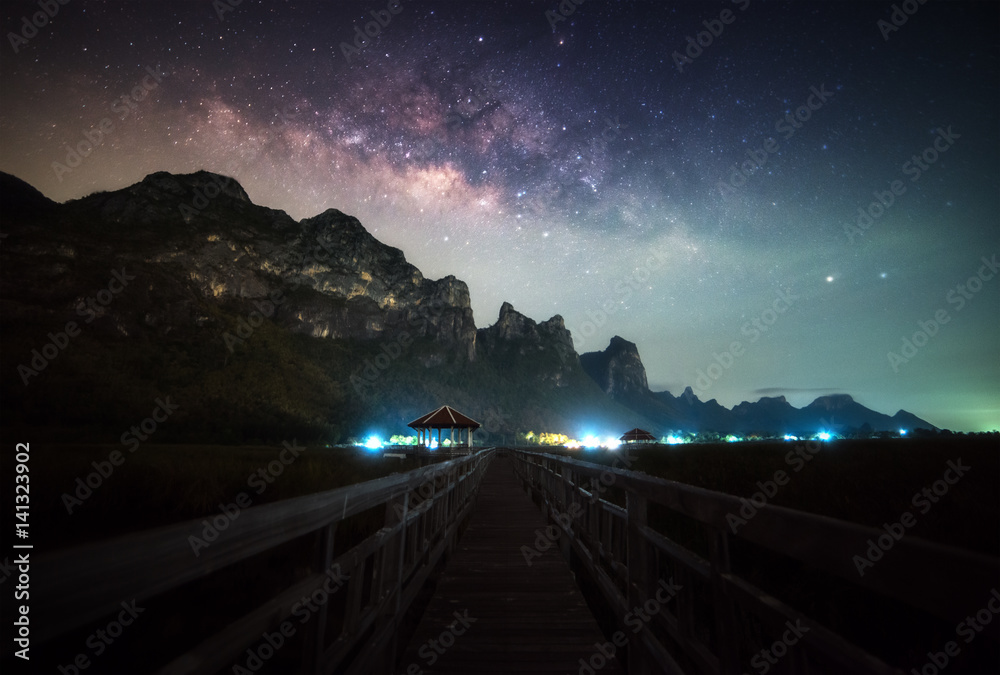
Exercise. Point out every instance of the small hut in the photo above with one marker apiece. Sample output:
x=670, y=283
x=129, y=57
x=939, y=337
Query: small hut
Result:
x=444, y=417
x=637, y=437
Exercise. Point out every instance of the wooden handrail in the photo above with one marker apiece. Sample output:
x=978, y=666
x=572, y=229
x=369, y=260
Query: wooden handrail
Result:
x=615, y=544
x=77, y=586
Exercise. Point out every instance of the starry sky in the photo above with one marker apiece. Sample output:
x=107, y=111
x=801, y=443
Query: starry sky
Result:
x=809, y=180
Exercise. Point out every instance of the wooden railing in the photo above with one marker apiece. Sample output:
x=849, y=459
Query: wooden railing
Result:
x=381, y=576
x=704, y=626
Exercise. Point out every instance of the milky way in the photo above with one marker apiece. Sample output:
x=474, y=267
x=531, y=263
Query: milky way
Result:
x=769, y=199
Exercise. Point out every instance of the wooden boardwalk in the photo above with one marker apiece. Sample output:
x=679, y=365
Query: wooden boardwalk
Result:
x=491, y=612
x=526, y=619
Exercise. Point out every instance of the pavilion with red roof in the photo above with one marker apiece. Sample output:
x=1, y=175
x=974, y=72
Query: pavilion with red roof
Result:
x=637, y=436
x=444, y=417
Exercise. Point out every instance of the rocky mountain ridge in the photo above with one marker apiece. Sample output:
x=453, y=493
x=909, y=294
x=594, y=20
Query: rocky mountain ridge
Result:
x=266, y=325
x=619, y=372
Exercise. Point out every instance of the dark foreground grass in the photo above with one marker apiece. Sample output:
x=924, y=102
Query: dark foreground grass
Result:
x=870, y=482
x=163, y=484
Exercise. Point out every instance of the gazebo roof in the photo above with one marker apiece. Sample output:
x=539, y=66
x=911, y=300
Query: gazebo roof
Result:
x=637, y=435
x=444, y=417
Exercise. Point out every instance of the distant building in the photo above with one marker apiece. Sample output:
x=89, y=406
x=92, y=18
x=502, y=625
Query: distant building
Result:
x=444, y=417
x=637, y=436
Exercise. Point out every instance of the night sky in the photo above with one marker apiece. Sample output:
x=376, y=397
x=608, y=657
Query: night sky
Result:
x=598, y=166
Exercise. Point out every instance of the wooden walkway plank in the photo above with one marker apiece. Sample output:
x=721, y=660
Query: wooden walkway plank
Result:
x=491, y=612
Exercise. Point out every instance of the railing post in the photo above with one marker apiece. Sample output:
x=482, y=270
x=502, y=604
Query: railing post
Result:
x=355, y=597
x=565, y=545
x=639, y=581
x=313, y=656
x=454, y=499
x=725, y=619
x=390, y=579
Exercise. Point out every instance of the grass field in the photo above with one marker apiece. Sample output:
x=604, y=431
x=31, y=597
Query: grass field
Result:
x=870, y=482
x=161, y=484
x=867, y=482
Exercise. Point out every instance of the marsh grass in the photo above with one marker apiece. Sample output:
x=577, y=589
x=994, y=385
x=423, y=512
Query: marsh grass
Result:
x=870, y=482
x=163, y=484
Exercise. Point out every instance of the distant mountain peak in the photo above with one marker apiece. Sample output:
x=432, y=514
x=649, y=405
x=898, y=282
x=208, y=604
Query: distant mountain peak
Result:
x=512, y=325
x=620, y=344
x=833, y=401
x=212, y=260
x=618, y=370
x=208, y=184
